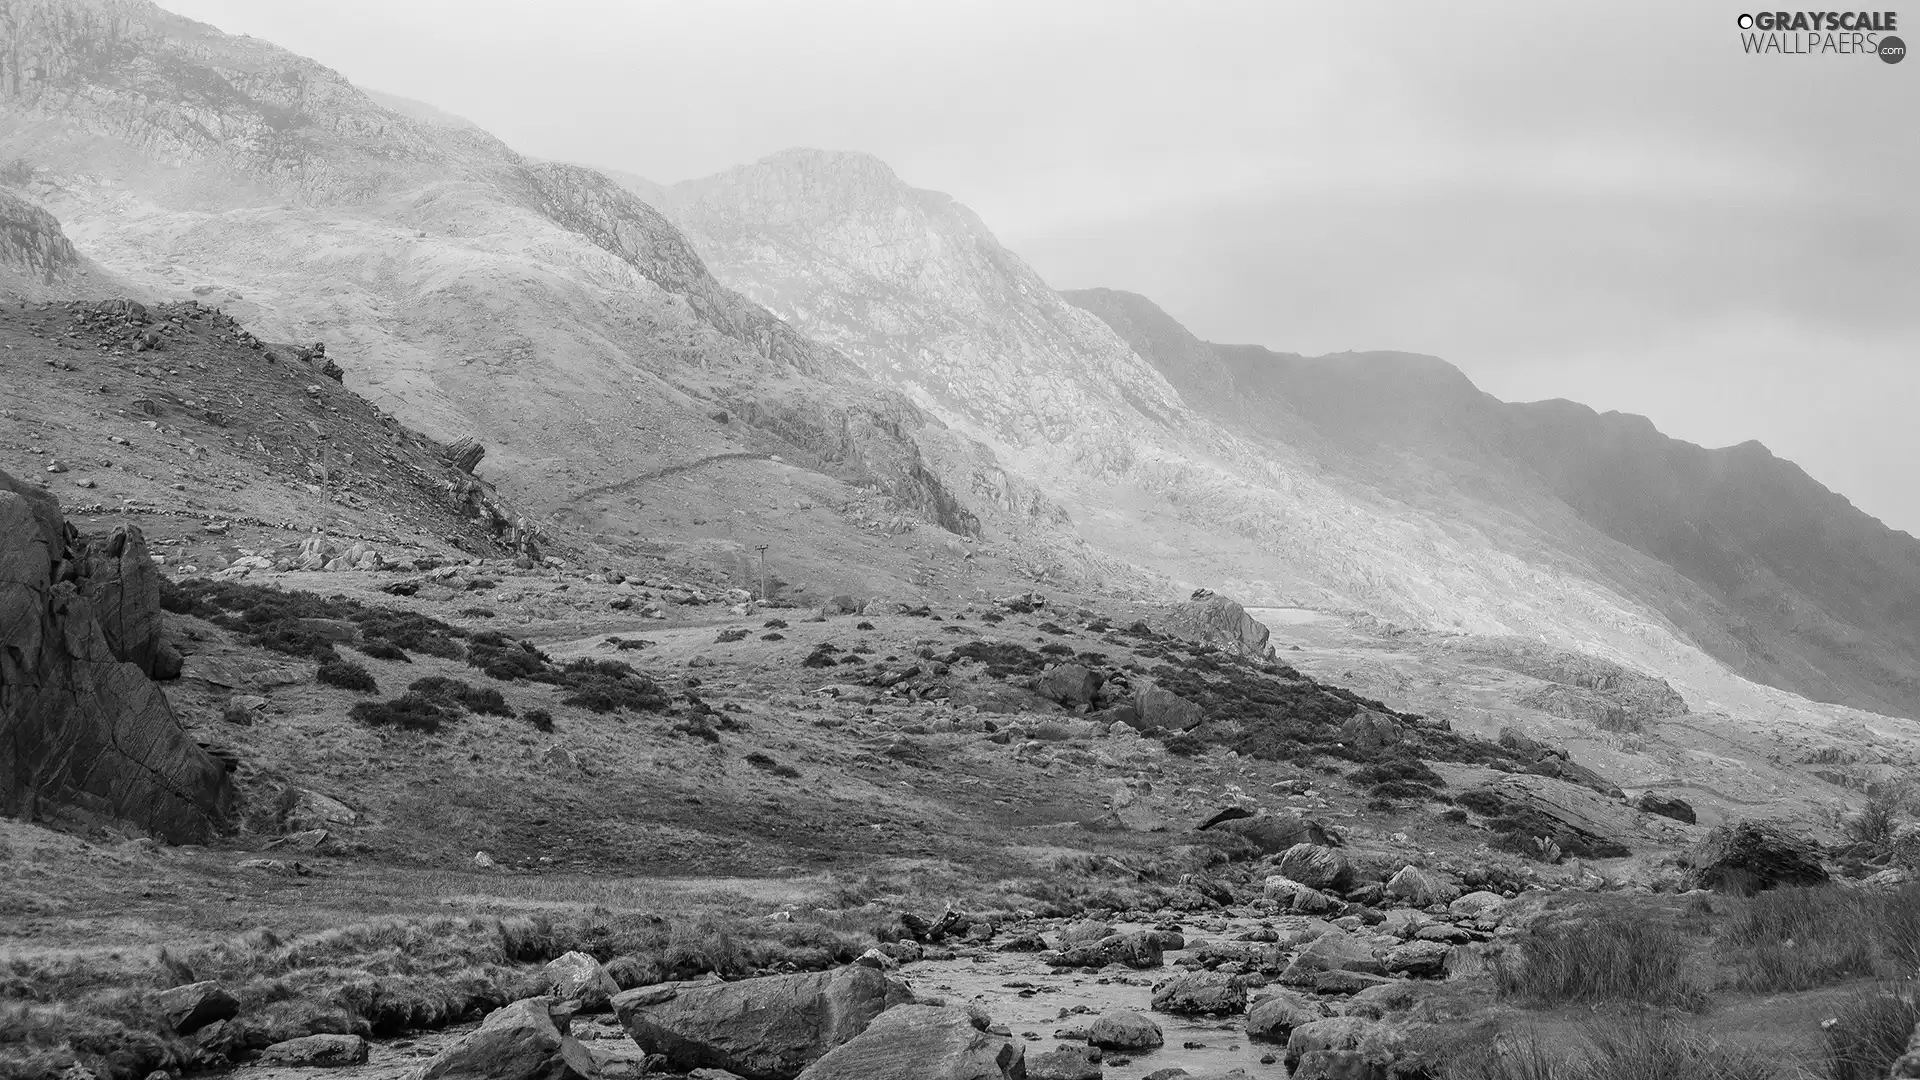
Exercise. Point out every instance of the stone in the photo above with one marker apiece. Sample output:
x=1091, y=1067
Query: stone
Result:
x=1444, y=932
x=1123, y=1029
x=1156, y=709
x=1271, y=834
x=922, y=1042
x=1338, y=1065
x=1067, y=684
x=187, y=1009
x=1201, y=993
x=1134, y=813
x=1580, y=820
x=1418, y=959
x=1084, y=931
x=1667, y=806
x=1335, y=951
x=1137, y=950
x=317, y=1051
x=1421, y=888
x=1275, y=1014
x=767, y=1028
x=1065, y=1063
x=578, y=979
x=1348, y=1033
x=1747, y=857
x=1316, y=866
x=83, y=727
x=1476, y=904
x=306, y=810
x=518, y=1042
x=842, y=604
x=1370, y=732
x=1376, y=1002
x=1348, y=982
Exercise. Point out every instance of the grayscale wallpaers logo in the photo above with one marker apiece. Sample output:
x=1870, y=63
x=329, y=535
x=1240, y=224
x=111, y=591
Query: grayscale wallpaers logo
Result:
x=1823, y=33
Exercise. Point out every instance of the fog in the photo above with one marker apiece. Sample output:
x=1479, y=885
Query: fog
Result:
x=1612, y=204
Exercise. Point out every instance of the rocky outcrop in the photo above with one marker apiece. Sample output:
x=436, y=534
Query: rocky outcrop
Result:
x=761, y=1029
x=35, y=253
x=83, y=728
x=1574, y=818
x=1217, y=620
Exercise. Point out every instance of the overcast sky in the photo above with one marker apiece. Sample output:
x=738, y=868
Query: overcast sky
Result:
x=1609, y=203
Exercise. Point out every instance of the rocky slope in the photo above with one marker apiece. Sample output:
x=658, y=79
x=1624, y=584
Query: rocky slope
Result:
x=1161, y=458
x=473, y=293
x=1770, y=572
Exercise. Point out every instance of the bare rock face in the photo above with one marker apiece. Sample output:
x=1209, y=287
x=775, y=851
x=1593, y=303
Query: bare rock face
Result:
x=82, y=725
x=35, y=253
x=761, y=1029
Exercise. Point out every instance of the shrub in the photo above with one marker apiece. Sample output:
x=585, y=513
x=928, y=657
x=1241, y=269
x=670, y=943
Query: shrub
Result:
x=385, y=650
x=477, y=612
x=347, y=675
x=767, y=764
x=455, y=694
x=1800, y=938
x=1607, y=957
x=605, y=686
x=1871, y=1033
x=1640, y=1048
x=728, y=636
x=410, y=712
x=1184, y=744
x=541, y=719
x=773, y=635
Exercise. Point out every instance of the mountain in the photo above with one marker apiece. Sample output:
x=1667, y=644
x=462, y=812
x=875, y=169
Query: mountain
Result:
x=537, y=307
x=1386, y=483
x=1785, y=581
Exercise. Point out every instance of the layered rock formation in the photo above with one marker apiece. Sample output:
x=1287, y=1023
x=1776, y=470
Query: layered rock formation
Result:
x=83, y=727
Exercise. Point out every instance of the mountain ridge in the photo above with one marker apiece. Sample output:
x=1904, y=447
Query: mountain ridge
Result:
x=1754, y=531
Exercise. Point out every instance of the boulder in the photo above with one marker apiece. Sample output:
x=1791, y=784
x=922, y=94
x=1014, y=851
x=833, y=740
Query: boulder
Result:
x=83, y=727
x=579, y=979
x=1065, y=1063
x=1067, y=684
x=1417, y=959
x=1316, y=866
x=1132, y=811
x=1666, y=806
x=317, y=1051
x=1217, y=620
x=761, y=1029
x=1156, y=708
x=1122, y=1029
x=1370, y=732
x=1342, y=1048
x=1580, y=820
x=922, y=1042
x=1137, y=950
x=304, y=811
x=187, y=1009
x=1275, y=1014
x=1336, y=951
x=1475, y=904
x=1201, y=993
x=1421, y=888
x=518, y=1042
x=1747, y=857
x=1272, y=834
x=1084, y=932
